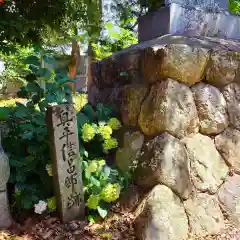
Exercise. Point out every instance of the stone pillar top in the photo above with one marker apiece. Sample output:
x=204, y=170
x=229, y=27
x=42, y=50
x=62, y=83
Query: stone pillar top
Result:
x=210, y=5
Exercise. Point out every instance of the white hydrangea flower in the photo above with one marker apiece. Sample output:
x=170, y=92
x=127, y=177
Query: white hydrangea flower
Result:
x=40, y=207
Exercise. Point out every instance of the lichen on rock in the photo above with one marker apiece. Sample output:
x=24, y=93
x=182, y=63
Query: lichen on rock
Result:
x=208, y=168
x=169, y=107
x=164, y=160
x=212, y=108
x=161, y=215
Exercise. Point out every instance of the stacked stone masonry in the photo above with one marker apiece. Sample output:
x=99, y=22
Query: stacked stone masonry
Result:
x=182, y=96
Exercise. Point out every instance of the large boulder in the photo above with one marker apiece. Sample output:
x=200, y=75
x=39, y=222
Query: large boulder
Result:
x=164, y=160
x=132, y=98
x=178, y=61
x=161, y=215
x=208, y=169
x=204, y=215
x=232, y=95
x=229, y=197
x=126, y=156
x=212, y=108
x=228, y=144
x=223, y=67
x=169, y=107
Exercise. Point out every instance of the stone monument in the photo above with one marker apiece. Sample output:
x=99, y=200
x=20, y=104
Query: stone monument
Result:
x=5, y=216
x=191, y=18
x=66, y=165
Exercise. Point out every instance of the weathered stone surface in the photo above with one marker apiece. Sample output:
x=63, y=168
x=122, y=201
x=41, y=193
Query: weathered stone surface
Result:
x=204, y=214
x=184, y=63
x=232, y=95
x=212, y=108
x=126, y=156
x=208, y=169
x=112, y=69
x=161, y=215
x=132, y=97
x=130, y=198
x=222, y=68
x=5, y=217
x=229, y=197
x=169, y=107
x=4, y=169
x=67, y=171
x=228, y=144
x=179, y=62
x=164, y=160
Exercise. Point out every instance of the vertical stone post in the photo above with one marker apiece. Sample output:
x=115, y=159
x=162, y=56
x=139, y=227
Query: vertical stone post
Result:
x=5, y=216
x=66, y=164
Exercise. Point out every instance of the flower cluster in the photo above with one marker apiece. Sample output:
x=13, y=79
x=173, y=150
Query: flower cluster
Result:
x=93, y=202
x=88, y=132
x=105, y=131
x=40, y=207
x=110, y=144
x=110, y=193
x=114, y=123
x=51, y=203
x=49, y=170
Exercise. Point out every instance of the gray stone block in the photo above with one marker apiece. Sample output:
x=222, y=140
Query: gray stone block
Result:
x=178, y=18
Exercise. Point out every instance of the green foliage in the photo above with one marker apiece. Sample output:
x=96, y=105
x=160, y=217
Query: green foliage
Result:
x=15, y=68
x=54, y=20
x=114, y=42
x=102, y=183
x=27, y=141
x=234, y=6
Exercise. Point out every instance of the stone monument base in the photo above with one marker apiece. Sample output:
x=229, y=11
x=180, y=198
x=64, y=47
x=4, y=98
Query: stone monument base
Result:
x=188, y=21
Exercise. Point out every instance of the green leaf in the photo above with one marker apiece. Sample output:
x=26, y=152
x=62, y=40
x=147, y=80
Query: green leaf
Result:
x=32, y=60
x=31, y=77
x=102, y=212
x=91, y=219
x=104, y=112
x=40, y=120
x=106, y=171
x=5, y=113
x=21, y=112
x=44, y=72
x=89, y=112
x=81, y=119
x=27, y=135
x=26, y=126
x=94, y=181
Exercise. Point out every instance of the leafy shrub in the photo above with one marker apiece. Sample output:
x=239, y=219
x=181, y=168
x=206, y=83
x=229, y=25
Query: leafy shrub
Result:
x=28, y=148
x=102, y=183
x=27, y=141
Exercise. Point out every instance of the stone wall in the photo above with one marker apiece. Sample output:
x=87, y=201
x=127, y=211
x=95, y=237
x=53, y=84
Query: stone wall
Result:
x=181, y=98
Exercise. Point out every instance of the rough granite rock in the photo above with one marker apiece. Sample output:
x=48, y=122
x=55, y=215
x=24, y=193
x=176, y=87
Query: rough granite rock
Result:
x=164, y=160
x=161, y=215
x=132, y=97
x=229, y=197
x=169, y=107
x=178, y=61
x=228, y=144
x=204, y=215
x=126, y=156
x=223, y=68
x=208, y=169
x=212, y=108
x=232, y=95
